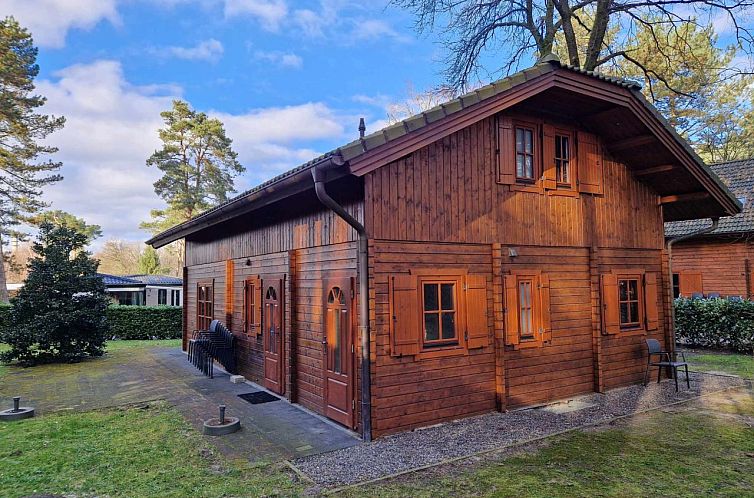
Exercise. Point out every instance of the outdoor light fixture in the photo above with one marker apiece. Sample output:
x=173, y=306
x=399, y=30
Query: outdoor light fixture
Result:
x=512, y=252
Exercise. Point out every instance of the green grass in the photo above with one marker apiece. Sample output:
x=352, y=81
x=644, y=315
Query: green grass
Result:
x=135, y=452
x=113, y=346
x=735, y=364
x=657, y=455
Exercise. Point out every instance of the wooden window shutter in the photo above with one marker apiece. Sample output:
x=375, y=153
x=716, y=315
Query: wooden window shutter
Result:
x=690, y=283
x=246, y=317
x=506, y=157
x=511, y=311
x=544, y=302
x=548, y=157
x=650, y=301
x=589, y=160
x=477, y=325
x=404, y=315
x=252, y=305
x=610, y=306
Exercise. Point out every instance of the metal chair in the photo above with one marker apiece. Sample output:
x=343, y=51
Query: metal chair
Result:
x=697, y=295
x=713, y=295
x=655, y=349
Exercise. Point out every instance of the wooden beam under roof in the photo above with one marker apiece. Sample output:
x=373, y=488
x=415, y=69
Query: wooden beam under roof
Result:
x=693, y=196
x=663, y=168
x=632, y=142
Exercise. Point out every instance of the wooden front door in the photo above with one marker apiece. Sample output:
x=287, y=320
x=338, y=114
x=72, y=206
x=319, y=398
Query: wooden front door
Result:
x=272, y=325
x=338, y=351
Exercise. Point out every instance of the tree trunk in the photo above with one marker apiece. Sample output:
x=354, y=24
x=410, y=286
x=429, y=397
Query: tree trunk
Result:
x=3, y=283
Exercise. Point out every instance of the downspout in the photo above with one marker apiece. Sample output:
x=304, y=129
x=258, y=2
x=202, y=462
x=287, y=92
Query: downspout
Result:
x=319, y=172
x=672, y=241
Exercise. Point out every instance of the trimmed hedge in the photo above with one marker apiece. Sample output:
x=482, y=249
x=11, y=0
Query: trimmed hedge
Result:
x=145, y=322
x=131, y=322
x=715, y=323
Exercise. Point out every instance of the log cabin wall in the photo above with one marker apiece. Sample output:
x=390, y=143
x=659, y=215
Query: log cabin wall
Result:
x=446, y=194
x=300, y=241
x=623, y=356
x=565, y=366
x=408, y=393
x=722, y=266
x=311, y=269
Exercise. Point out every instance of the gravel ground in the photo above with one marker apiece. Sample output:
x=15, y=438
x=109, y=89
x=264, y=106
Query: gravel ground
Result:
x=409, y=450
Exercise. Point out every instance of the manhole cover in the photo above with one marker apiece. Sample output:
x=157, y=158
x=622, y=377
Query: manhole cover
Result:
x=258, y=398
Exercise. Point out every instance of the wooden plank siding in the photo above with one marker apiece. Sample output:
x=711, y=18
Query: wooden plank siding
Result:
x=408, y=393
x=725, y=265
x=441, y=207
x=461, y=170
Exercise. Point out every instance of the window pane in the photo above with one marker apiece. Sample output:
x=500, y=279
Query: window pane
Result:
x=624, y=313
x=336, y=347
x=528, y=141
x=565, y=149
x=529, y=167
x=448, y=325
x=558, y=148
x=519, y=140
x=623, y=290
x=447, y=296
x=634, y=311
x=519, y=166
x=633, y=289
x=431, y=326
x=430, y=297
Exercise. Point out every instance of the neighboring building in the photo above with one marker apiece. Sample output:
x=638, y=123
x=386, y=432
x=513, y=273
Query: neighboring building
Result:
x=141, y=290
x=502, y=250
x=719, y=262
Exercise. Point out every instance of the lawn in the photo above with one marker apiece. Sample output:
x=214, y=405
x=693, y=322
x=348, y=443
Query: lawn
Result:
x=685, y=454
x=136, y=452
x=735, y=364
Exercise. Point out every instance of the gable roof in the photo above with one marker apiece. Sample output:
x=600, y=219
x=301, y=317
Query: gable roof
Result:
x=739, y=178
x=379, y=148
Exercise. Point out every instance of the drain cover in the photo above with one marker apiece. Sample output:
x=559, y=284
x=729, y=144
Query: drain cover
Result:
x=259, y=397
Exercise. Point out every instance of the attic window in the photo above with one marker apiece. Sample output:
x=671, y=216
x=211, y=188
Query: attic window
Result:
x=525, y=154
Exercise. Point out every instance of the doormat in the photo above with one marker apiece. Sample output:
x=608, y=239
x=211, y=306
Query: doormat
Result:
x=258, y=398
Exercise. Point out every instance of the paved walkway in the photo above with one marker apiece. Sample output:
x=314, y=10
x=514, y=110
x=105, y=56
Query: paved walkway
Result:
x=271, y=431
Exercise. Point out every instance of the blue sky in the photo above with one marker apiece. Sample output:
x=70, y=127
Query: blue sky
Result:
x=290, y=80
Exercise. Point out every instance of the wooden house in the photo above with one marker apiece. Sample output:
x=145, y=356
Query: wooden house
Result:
x=719, y=262
x=502, y=250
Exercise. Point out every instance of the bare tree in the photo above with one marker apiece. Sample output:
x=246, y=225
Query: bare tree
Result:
x=119, y=257
x=512, y=31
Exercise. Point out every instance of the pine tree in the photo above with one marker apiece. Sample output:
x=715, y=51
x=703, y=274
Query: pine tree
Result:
x=149, y=262
x=59, y=313
x=23, y=172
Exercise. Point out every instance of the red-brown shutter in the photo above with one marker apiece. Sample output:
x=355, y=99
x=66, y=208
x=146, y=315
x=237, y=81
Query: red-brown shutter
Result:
x=610, y=306
x=589, y=160
x=512, y=335
x=690, y=283
x=549, y=178
x=477, y=324
x=229, y=294
x=506, y=158
x=544, y=302
x=404, y=315
x=650, y=301
x=252, y=305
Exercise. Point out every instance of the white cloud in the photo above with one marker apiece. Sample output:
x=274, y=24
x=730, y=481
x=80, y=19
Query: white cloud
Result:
x=50, y=20
x=111, y=130
x=269, y=12
x=207, y=50
x=376, y=29
x=280, y=58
